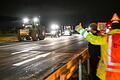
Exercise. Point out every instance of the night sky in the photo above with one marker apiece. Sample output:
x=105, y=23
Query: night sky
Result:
x=64, y=12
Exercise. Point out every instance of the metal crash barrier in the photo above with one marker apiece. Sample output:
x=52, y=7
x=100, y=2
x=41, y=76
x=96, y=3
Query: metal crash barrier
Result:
x=66, y=71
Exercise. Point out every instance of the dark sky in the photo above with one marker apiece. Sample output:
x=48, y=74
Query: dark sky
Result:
x=61, y=11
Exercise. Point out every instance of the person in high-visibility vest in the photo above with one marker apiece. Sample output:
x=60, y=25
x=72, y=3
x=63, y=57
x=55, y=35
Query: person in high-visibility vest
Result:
x=109, y=64
x=94, y=51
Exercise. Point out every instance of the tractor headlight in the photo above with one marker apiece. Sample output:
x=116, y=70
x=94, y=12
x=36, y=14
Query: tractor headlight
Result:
x=25, y=20
x=35, y=19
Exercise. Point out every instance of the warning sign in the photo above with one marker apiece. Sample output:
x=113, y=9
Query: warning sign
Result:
x=101, y=26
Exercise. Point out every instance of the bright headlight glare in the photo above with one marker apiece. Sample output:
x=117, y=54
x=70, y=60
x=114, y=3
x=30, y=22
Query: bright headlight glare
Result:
x=25, y=20
x=54, y=26
x=35, y=19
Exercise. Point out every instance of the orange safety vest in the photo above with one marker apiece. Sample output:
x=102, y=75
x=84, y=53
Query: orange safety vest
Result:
x=113, y=65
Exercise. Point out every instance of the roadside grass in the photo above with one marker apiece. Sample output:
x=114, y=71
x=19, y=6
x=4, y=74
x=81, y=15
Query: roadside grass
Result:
x=8, y=38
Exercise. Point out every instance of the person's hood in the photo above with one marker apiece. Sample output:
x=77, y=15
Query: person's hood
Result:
x=114, y=31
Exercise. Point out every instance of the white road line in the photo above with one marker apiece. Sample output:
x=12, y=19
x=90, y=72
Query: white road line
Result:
x=26, y=50
x=26, y=61
x=31, y=48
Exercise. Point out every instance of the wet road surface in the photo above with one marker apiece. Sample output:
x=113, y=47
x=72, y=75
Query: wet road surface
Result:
x=35, y=60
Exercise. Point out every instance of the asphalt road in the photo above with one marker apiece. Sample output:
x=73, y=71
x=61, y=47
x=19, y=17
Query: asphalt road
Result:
x=35, y=60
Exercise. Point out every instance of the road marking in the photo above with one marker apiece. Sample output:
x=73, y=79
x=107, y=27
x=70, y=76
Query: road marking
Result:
x=31, y=48
x=26, y=50
x=14, y=44
x=26, y=61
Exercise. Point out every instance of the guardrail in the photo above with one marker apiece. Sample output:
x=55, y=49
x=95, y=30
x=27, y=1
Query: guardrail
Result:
x=66, y=71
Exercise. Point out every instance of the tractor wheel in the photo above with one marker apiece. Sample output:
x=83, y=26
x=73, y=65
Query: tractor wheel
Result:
x=34, y=35
x=42, y=35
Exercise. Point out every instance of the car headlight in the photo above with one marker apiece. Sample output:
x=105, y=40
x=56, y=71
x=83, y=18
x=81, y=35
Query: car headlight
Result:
x=67, y=32
x=53, y=32
x=54, y=26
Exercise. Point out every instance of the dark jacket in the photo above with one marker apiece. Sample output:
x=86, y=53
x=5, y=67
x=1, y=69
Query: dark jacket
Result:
x=94, y=50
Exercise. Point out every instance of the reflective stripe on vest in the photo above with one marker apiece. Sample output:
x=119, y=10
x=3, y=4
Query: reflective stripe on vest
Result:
x=112, y=66
x=83, y=32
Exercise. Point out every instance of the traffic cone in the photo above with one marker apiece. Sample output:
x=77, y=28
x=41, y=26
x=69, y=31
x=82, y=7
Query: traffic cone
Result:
x=115, y=18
